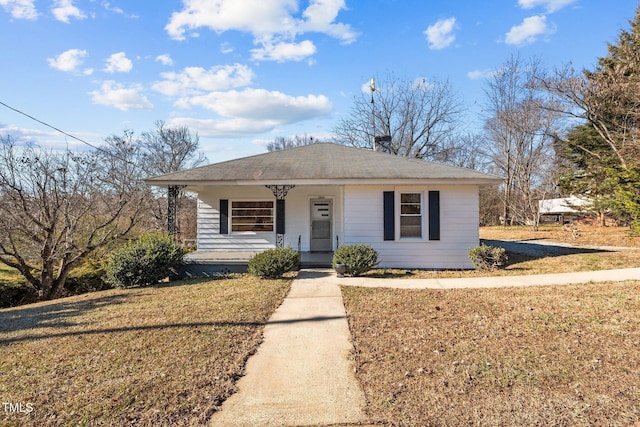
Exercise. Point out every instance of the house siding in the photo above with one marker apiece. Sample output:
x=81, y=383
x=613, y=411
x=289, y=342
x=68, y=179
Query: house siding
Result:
x=297, y=217
x=364, y=218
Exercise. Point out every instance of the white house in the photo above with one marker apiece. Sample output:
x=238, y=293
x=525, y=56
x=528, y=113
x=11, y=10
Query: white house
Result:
x=314, y=198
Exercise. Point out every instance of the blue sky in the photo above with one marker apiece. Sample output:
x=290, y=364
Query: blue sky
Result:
x=241, y=72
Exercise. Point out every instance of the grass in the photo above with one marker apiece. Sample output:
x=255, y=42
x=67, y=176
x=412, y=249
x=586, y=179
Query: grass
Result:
x=167, y=355
x=589, y=235
x=561, y=356
x=559, y=260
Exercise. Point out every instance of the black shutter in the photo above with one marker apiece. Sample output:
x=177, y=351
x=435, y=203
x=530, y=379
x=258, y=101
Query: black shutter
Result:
x=224, y=216
x=279, y=216
x=434, y=215
x=389, y=215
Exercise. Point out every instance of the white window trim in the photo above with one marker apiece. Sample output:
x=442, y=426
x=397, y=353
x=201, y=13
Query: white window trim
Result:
x=230, y=216
x=423, y=211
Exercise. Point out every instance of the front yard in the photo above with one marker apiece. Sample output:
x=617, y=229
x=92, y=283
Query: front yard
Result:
x=167, y=355
x=548, y=356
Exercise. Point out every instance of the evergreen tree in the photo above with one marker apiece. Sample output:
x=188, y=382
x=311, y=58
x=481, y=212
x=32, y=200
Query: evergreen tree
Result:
x=588, y=168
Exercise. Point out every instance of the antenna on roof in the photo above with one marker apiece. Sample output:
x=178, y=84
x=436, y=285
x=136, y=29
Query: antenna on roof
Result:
x=372, y=86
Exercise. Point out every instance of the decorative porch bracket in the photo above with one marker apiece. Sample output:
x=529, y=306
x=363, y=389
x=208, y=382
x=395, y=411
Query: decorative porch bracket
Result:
x=172, y=208
x=280, y=192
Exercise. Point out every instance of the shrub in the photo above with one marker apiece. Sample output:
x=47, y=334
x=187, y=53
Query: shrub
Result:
x=273, y=263
x=14, y=291
x=88, y=277
x=144, y=262
x=487, y=258
x=358, y=259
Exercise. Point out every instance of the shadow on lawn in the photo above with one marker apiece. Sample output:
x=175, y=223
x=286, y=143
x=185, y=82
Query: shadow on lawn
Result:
x=540, y=250
x=54, y=314
x=60, y=313
x=193, y=328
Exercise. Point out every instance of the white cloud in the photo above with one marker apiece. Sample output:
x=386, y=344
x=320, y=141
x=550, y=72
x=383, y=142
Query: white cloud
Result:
x=550, y=5
x=224, y=128
x=440, y=35
x=124, y=98
x=107, y=6
x=164, y=59
x=197, y=80
x=263, y=105
x=271, y=22
x=118, y=63
x=529, y=31
x=64, y=9
x=226, y=48
x=479, y=74
x=20, y=9
x=282, y=52
x=69, y=60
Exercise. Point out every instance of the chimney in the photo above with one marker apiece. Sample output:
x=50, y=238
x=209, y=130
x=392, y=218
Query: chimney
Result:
x=382, y=143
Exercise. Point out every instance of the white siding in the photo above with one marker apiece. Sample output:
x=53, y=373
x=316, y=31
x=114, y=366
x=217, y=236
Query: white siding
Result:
x=297, y=217
x=459, y=218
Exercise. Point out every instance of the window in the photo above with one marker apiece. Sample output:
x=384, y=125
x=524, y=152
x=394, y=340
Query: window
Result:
x=252, y=216
x=411, y=215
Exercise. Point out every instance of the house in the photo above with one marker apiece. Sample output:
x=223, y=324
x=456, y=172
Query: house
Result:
x=563, y=209
x=315, y=198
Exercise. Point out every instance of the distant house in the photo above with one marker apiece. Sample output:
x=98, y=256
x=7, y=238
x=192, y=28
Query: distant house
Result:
x=566, y=208
x=315, y=198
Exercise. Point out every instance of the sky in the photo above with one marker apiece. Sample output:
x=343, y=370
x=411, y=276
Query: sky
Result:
x=243, y=72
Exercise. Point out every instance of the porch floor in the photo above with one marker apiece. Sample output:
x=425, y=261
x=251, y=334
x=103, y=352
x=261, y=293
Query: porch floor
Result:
x=241, y=258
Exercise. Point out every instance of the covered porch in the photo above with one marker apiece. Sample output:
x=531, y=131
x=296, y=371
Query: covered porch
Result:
x=211, y=263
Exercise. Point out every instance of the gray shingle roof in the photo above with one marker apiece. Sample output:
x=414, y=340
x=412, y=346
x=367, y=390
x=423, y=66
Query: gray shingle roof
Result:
x=322, y=161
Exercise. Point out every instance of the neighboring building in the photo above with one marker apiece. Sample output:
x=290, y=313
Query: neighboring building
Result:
x=314, y=198
x=565, y=209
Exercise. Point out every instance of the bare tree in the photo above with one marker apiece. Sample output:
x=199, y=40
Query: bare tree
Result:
x=283, y=142
x=170, y=149
x=57, y=208
x=166, y=150
x=520, y=124
x=419, y=115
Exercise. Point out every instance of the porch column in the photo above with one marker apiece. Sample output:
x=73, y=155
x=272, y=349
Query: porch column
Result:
x=280, y=192
x=172, y=209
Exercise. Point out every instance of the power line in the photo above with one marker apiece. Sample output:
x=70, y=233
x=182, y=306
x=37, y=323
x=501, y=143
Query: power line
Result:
x=50, y=126
x=68, y=134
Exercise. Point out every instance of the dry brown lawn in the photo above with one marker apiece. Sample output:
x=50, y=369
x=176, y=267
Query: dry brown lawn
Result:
x=589, y=235
x=547, y=356
x=167, y=355
x=619, y=252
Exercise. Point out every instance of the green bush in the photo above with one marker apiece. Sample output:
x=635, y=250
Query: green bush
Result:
x=88, y=277
x=358, y=259
x=487, y=258
x=144, y=262
x=273, y=263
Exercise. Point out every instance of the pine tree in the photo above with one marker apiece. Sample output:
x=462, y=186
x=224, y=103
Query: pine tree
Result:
x=613, y=95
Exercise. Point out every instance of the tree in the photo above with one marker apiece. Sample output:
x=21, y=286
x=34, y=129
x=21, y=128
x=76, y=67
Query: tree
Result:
x=588, y=166
x=166, y=150
x=170, y=149
x=520, y=125
x=608, y=99
x=57, y=208
x=420, y=116
x=283, y=142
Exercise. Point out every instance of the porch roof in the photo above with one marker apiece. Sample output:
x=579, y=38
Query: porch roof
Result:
x=321, y=163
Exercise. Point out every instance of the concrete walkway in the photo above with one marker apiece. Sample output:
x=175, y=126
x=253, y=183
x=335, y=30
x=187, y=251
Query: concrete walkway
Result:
x=617, y=275
x=302, y=374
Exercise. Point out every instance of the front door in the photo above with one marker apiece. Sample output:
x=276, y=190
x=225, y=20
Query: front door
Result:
x=321, y=212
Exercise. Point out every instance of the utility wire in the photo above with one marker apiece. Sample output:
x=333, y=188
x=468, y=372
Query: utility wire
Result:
x=50, y=126
x=67, y=134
